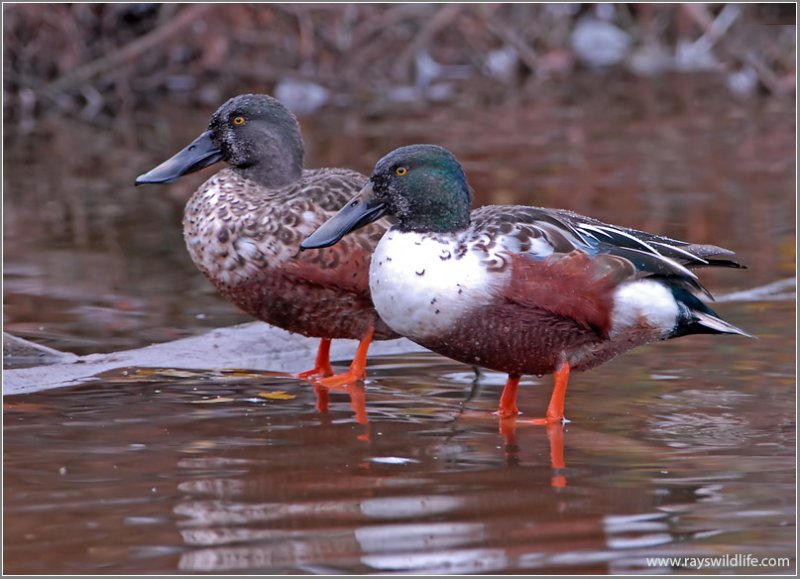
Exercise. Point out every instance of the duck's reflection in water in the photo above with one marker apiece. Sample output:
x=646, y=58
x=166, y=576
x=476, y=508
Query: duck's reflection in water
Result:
x=555, y=437
x=358, y=515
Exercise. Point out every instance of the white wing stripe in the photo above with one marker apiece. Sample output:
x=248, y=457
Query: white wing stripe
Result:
x=677, y=266
x=595, y=229
x=633, y=238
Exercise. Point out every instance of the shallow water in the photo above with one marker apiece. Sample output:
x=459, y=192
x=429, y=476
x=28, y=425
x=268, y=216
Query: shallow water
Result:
x=683, y=449
x=677, y=449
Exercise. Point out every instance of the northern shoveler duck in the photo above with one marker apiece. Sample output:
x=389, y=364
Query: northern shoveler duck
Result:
x=244, y=225
x=518, y=289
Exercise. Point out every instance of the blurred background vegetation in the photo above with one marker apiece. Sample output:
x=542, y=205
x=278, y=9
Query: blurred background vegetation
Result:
x=99, y=61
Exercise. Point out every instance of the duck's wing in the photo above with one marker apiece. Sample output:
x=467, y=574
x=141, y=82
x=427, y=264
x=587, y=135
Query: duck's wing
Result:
x=688, y=254
x=540, y=233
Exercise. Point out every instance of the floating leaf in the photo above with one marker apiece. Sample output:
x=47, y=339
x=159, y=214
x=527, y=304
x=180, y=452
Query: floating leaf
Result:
x=240, y=374
x=277, y=395
x=217, y=400
x=171, y=373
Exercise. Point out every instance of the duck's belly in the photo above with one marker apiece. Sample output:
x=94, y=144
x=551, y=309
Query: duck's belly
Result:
x=279, y=295
x=281, y=299
x=515, y=340
x=530, y=340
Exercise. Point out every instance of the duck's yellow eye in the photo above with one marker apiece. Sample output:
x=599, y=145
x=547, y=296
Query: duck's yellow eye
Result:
x=239, y=120
x=400, y=171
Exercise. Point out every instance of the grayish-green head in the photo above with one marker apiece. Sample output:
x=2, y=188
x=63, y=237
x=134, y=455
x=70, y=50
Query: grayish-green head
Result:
x=259, y=136
x=254, y=133
x=423, y=186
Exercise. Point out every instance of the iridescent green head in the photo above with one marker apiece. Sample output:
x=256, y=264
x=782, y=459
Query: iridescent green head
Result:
x=423, y=186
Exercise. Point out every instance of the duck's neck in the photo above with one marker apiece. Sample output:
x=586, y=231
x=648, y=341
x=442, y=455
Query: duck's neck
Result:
x=445, y=209
x=437, y=223
x=280, y=163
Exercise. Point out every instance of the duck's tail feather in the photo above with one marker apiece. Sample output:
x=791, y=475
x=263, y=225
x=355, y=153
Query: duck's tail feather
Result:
x=697, y=318
x=715, y=325
x=713, y=256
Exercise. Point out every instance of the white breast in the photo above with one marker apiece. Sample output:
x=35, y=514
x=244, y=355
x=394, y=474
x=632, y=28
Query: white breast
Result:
x=420, y=287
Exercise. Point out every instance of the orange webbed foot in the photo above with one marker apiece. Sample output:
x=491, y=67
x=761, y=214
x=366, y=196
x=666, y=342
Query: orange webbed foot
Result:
x=357, y=370
x=548, y=421
x=322, y=365
x=340, y=381
x=555, y=410
x=315, y=372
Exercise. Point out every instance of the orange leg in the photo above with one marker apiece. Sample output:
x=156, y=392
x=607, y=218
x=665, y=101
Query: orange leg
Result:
x=322, y=366
x=508, y=399
x=555, y=410
x=358, y=367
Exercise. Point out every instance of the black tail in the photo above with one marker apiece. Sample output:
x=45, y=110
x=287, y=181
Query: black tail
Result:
x=715, y=256
x=697, y=318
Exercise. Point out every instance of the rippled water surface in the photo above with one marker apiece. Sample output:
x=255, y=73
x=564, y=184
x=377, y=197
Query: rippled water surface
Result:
x=679, y=449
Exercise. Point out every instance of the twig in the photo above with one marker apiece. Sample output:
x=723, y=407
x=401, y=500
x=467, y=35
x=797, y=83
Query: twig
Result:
x=440, y=19
x=382, y=21
x=510, y=37
x=715, y=30
x=130, y=51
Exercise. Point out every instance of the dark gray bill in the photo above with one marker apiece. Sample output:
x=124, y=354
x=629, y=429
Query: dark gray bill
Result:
x=359, y=211
x=200, y=153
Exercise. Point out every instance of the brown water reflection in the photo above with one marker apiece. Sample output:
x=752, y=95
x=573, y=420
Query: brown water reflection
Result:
x=684, y=448
x=673, y=450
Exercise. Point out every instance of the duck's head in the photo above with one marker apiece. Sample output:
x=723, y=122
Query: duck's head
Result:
x=255, y=134
x=423, y=186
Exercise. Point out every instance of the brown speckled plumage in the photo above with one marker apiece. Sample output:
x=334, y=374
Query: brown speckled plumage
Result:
x=245, y=239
